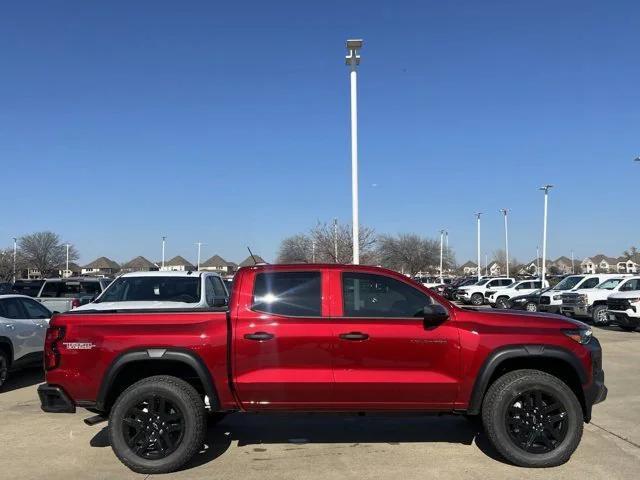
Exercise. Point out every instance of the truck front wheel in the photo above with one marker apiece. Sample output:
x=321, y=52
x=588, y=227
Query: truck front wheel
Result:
x=477, y=299
x=599, y=315
x=157, y=424
x=532, y=419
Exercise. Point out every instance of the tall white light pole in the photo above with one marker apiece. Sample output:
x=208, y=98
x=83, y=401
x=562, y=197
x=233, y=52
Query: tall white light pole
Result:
x=164, y=240
x=505, y=212
x=545, y=189
x=441, y=245
x=199, y=244
x=66, y=272
x=479, y=266
x=572, y=263
x=335, y=239
x=15, y=254
x=353, y=60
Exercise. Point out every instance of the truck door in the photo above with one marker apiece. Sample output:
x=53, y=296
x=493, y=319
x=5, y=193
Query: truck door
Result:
x=385, y=355
x=283, y=341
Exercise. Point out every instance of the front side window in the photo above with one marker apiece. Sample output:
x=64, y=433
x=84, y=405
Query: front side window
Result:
x=34, y=309
x=50, y=289
x=11, y=308
x=590, y=283
x=630, y=285
x=293, y=294
x=370, y=295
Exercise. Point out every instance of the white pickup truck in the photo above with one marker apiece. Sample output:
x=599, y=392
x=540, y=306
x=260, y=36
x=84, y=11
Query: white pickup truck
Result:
x=500, y=298
x=475, y=294
x=168, y=290
x=623, y=307
x=63, y=294
x=551, y=300
x=592, y=302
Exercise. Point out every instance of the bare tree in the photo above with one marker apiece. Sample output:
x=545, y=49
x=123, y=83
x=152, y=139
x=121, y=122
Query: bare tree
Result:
x=296, y=249
x=6, y=264
x=328, y=239
x=409, y=253
x=45, y=252
x=500, y=256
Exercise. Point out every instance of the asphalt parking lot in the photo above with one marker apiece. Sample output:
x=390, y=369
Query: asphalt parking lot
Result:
x=306, y=446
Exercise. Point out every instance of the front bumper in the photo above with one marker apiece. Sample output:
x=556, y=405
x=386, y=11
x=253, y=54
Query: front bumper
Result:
x=596, y=391
x=623, y=318
x=576, y=310
x=53, y=399
x=549, y=308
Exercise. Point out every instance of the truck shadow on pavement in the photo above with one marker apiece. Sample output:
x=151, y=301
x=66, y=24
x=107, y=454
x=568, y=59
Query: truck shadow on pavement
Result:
x=299, y=429
x=23, y=378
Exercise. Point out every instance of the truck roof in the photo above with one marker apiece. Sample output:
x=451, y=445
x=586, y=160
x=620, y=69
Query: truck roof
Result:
x=187, y=273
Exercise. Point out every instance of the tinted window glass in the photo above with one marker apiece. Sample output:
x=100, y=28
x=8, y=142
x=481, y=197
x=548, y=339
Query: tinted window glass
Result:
x=50, y=289
x=34, y=309
x=505, y=282
x=536, y=284
x=11, y=308
x=630, y=285
x=590, y=283
x=214, y=289
x=71, y=289
x=524, y=286
x=167, y=289
x=368, y=295
x=296, y=294
x=568, y=283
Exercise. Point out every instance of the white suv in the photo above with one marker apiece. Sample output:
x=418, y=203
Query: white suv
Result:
x=623, y=307
x=551, y=300
x=474, y=294
x=592, y=302
x=23, y=324
x=500, y=298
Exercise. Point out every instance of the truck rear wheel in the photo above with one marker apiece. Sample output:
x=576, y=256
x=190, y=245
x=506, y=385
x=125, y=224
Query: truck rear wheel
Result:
x=477, y=299
x=501, y=302
x=157, y=424
x=533, y=419
x=599, y=315
x=4, y=368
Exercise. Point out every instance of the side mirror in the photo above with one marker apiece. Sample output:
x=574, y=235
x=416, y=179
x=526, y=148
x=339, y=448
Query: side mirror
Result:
x=434, y=315
x=220, y=302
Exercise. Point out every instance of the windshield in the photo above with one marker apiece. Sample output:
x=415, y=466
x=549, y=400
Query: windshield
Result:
x=568, y=283
x=167, y=289
x=609, y=284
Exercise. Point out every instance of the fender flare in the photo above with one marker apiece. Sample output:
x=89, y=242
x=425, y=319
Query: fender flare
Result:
x=156, y=354
x=500, y=355
x=7, y=341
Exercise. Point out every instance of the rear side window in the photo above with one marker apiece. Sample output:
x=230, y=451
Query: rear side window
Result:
x=630, y=285
x=295, y=294
x=11, y=308
x=505, y=282
x=50, y=289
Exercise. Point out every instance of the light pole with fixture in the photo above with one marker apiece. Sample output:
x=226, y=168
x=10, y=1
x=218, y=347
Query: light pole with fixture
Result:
x=164, y=240
x=353, y=60
x=15, y=254
x=199, y=244
x=545, y=189
x=66, y=272
x=442, y=232
x=505, y=212
x=479, y=266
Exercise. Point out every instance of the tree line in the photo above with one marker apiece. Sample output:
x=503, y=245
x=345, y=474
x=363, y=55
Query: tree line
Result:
x=332, y=243
x=43, y=251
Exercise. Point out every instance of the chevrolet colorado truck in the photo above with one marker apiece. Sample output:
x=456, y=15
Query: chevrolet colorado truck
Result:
x=323, y=338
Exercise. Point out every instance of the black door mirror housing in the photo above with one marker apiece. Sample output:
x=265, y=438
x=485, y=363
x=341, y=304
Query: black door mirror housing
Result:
x=434, y=315
x=220, y=302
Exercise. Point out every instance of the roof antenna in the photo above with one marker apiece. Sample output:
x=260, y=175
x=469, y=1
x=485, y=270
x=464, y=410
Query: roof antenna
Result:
x=255, y=262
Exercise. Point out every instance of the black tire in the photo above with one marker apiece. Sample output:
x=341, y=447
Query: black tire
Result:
x=4, y=368
x=501, y=302
x=599, y=315
x=509, y=418
x=174, y=419
x=531, y=307
x=215, y=417
x=477, y=299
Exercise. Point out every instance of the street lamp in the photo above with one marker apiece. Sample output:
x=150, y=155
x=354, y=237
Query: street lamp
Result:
x=15, y=253
x=478, y=220
x=545, y=189
x=66, y=272
x=442, y=232
x=164, y=239
x=505, y=211
x=199, y=244
x=353, y=60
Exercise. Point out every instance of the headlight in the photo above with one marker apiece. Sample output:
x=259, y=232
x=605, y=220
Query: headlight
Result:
x=557, y=297
x=633, y=300
x=580, y=335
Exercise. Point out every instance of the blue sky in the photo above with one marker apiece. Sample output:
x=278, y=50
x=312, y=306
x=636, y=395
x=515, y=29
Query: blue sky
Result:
x=228, y=122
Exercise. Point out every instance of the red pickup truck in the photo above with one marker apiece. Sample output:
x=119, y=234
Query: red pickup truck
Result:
x=323, y=338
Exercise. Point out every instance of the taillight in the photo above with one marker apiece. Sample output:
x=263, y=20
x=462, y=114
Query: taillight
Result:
x=75, y=303
x=51, y=353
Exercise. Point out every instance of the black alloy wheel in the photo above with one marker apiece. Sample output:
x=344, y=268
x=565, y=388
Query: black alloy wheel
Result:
x=4, y=368
x=153, y=428
x=536, y=421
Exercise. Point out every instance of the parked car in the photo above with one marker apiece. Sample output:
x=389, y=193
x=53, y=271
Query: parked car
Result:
x=623, y=307
x=5, y=287
x=30, y=288
x=551, y=300
x=428, y=281
x=23, y=323
x=450, y=290
x=63, y=294
x=529, y=302
x=475, y=294
x=592, y=302
x=378, y=341
x=170, y=290
x=499, y=298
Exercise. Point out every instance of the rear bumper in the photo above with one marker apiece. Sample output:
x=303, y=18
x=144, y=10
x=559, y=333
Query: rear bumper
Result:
x=53, y=399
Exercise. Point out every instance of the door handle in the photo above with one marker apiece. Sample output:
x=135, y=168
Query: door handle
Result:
x=259, y=336
x=354, y=336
